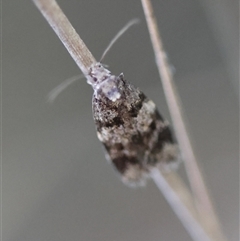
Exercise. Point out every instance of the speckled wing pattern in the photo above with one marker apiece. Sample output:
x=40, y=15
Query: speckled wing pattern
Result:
x=134, y=134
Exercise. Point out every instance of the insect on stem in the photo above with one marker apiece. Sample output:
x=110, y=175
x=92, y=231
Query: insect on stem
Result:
x=135, y=136
x=61, y=87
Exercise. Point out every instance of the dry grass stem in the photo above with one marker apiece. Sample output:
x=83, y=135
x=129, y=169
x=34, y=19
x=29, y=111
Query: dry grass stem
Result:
x=66, y=33
x=199, y=189
x=181, y=202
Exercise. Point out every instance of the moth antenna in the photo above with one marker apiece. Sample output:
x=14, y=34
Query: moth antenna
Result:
x=61, y=87
x=118, y=35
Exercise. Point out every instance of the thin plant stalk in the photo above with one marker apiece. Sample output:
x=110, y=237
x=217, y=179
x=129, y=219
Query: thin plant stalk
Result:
x=84, y=59
x=190, y=222
x=199, y=189
x=66, y=33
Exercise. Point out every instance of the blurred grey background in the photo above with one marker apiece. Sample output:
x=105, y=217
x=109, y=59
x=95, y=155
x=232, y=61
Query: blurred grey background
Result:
x=57, y=184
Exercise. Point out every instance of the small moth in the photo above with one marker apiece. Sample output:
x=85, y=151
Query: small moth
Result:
x=135, y=136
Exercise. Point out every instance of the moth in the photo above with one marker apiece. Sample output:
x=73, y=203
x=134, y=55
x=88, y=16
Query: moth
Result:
x=135, y=136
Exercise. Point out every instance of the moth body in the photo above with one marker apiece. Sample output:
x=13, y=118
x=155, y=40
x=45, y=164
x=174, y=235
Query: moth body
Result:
x=128, y=124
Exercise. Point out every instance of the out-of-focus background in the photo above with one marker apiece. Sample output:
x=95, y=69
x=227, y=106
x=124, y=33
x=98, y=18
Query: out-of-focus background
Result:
x=57, y=184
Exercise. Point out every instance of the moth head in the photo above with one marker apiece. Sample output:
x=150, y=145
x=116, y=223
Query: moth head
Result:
x=97, y=74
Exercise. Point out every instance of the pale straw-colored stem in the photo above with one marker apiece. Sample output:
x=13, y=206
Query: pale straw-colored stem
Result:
x=66, y=33
x=182, y=205
x=199, y=189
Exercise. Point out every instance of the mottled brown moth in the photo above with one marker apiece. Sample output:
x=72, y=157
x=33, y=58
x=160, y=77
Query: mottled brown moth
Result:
x=134, y=134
